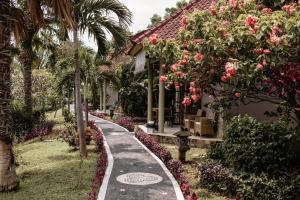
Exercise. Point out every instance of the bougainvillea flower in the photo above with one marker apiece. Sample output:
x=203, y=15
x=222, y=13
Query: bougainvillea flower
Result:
x=196, y=97
x=174, y=67
x=251, y=21
x=163, y=79
x=290, y=9
x=198, y=57
x=267, y=11
x=213, y=8
x=237, y=94
x=184, y=21
x=233, y=4
x=259, y=66
x=186, y=101
x=230, y=69
x=153, y=39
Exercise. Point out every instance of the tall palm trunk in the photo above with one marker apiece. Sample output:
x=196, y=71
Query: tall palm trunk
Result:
x=26, y=61
x=86, y=108
x=8, y=178
x=79, y=114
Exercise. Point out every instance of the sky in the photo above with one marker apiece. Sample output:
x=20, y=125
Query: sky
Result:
x=142, y=11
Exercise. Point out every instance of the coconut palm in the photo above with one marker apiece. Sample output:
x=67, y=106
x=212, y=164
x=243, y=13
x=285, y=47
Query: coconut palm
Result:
x=94, y=16
x=12, y=19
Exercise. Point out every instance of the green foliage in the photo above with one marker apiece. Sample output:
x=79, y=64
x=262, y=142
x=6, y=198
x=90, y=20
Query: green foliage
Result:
x=257, y=147
x=132, y=94
x=262, y=187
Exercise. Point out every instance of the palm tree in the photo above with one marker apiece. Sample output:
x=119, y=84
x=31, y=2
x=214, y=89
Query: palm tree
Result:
x=11, y=19
x=94, y=16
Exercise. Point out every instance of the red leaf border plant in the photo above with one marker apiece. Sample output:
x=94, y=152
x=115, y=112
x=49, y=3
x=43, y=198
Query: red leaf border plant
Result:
x=102, y=162
x=173, y=165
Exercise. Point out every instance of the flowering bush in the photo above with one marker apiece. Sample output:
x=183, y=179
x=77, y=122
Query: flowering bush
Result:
x=237, y=51
x=102, y=163
x=126, y=122
x=174, y=166
x=40, y=130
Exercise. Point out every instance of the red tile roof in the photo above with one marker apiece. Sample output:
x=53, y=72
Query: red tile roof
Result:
x=168, y=29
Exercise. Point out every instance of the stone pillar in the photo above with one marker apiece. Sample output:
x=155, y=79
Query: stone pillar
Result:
x=161, y=102
x=104, y=95
x=150, y=92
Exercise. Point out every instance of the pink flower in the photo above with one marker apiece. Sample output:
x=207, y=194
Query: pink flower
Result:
x=258, y=51
x=183, y=62
x=212, y=8
x=177, y=85
x=222, y=9
x=274, y=39
x=163, y=79
x=184, y=21
x=153, y=39
x=196, y=97
x=254, y=30
x=251, y=21
x=233, y=4
x=267, y=11
x=264, y=62
x=290, y=9
x=266, y=51
x=174, y=67
x=198, y=57
x=193, y=90
x=237, y=94
x=259, y=66
x=187, y=101
x=230, y=70
x=193, y=197
x=192, y=84
x=225, y=78
x=276, y=30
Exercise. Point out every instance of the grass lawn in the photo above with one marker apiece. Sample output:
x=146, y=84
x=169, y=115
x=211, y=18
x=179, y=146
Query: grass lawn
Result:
x=191, y=167
x=49, y=170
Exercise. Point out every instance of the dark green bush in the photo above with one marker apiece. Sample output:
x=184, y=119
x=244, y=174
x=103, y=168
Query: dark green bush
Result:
x=264, y=188
x=257, y=147
x=133, y=100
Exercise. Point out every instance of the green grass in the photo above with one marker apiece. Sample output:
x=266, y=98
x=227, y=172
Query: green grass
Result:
x=50, y=171
x=57, y=117
x=193, y=157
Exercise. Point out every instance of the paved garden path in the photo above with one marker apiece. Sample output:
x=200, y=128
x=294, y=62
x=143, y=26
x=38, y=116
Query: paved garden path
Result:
x=133, y=172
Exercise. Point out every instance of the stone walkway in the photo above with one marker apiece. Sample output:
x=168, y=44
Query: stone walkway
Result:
x=135, y=173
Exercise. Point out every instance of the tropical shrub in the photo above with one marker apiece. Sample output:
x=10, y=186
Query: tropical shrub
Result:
x=257, y=147
x=40, y=130
x=216, y=177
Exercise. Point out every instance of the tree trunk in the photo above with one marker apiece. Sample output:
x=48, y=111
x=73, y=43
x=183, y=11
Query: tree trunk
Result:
x=79, y=114
x=104, y=95
x=8, y=177
x=101, y=95
x=68, y=101
x=86, y=108
x=26, y=61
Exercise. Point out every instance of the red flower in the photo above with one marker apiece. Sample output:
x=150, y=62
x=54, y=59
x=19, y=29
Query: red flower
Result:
x=251, y=21
x=174, y=67
x=233, y=4
x=198, y=57
x=187, y=101
x=222, y=9
x=267, y=11
x=290, y=9
x=212, y=8
x=230, y=70
x=183, y=62
x=153, y=39
x=163, y=79
x=193, y=197
x=274, y=39
x=237, y=94
x=184, y=21
x=180, y=74
x=196, y=97
x=192, y=84
x=259, y=66
x=266, y=51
